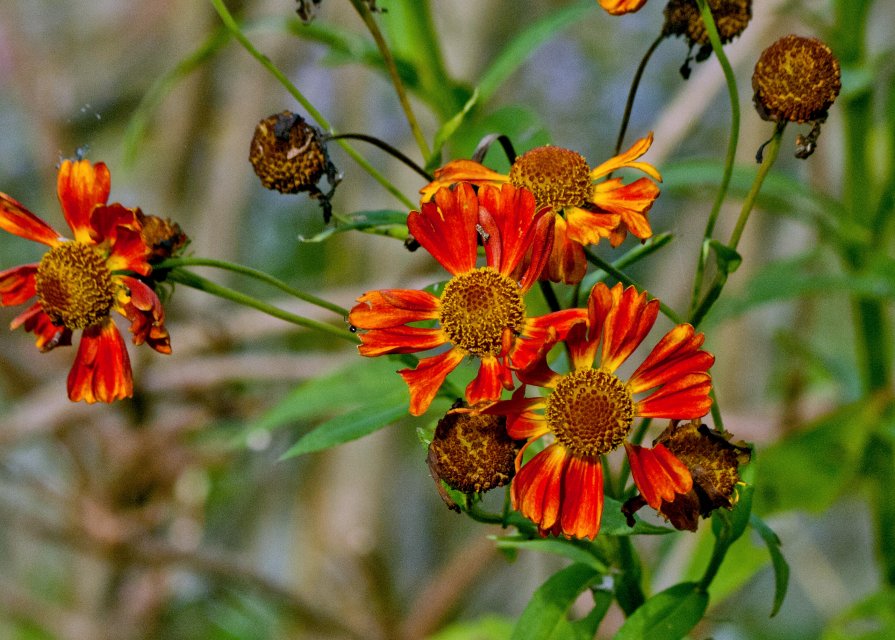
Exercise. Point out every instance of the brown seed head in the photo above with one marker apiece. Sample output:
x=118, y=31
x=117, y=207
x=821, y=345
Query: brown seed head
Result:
x=472, y=453
x=682, y=18
x=796, y=79
x=288, y=154
x=163, y=236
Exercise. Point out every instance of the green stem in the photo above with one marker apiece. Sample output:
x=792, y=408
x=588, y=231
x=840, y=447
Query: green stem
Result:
x=231, y=24
x=732, y=142
x=197, y=282
x=366, y=15
x=632, y=92
x=628, y=282
x=173, y=263
x=711, y=295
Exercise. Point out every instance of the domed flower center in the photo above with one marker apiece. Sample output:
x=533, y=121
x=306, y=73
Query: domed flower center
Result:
x=74, y=285
x=557, y=177
x=590, y=412
x=477, y=307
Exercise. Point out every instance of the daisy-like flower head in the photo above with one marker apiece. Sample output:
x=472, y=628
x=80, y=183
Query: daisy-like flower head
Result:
x=481, y=311
x=590, y=410
x=621, y=7
x=591, y=208
x=79, y=283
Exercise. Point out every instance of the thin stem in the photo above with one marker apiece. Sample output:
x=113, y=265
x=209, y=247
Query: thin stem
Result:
x=549, y=295
x=231, y=24
x=197, y=282
x=632, y=92
x=387, y=148
x=597, y=261
x=771, y=151
x=173, y=263
x=732, y=142
x=367, y=16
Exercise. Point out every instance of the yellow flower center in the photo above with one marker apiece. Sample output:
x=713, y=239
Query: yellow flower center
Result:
x=557, y=177
x=74, y=285
x=590, y=412
x=477, y=307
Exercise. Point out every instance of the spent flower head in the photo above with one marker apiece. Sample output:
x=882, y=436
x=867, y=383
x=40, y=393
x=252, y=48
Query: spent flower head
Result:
x=79, y=282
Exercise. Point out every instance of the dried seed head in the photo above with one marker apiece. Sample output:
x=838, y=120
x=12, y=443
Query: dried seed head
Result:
x=796, y=79
x=163, y=236
x=682, y=18
x=288, y=154
x=472, y=453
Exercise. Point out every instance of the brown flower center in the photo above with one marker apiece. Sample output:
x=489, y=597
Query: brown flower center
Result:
x=590, y=412
x=472, y=453
x=478, y=307
x=682, y=18
x=74, y=285
x=557, y=177
x=796, y=80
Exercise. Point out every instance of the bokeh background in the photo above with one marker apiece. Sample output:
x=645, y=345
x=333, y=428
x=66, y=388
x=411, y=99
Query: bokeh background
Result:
x=171, y=515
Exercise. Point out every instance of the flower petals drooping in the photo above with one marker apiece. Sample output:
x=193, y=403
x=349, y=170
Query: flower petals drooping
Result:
x=78, y=283
x=590, y=411
x=585, y=209
x=481, y=311
x=102, y=369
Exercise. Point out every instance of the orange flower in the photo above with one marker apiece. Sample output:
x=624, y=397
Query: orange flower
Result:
x=481, y=311
x=78, y=283
x=619, y=7
x=590, y=411
x=561, y=179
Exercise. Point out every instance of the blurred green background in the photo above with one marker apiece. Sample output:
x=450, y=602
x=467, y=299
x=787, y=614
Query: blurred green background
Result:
x=170, y=515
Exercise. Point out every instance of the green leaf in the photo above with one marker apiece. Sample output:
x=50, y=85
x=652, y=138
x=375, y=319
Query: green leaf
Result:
x=485, y=628
x=519, y=48
x=726, y=258
x=613, y=522
x=578, y=551
x=871, y=619
x=809, y=469
x=781, y=566
x=668, y=615
x=586, y=628
x=350, y=426
x=447, y=130
x=732, y=524
x=545, y=616
x=386, y=222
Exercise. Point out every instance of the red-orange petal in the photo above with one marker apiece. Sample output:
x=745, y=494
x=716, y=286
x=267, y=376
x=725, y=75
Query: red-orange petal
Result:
x=619, y=7
x=446, y=228
x=537, y=487
x=539, y=334
x=377, y=342
x=677, y=353
x=658, y=474
x=17, y=220
x=102, y=369
x=684, y=398
x=566, y=262
x=461, y=171
x=589, y=227
x=627, y=323
x=387, y=308
x=49, y=336
x=425, y=381
x=490, y=381
x=17, y=285
x=80, y=187
x=147, y=317
x=628, y=158
x=118, y=227
x=582, y=498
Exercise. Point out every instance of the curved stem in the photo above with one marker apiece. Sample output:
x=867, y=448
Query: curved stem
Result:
x=367, y=16
x=231, y=24
x=632, y=92
x=733, y=140
x=173, y=263
x=197, y=282
x=387, y=148
x=626, y=280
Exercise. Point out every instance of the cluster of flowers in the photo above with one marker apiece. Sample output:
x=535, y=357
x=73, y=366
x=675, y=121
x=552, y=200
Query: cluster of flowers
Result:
x=533, y=224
